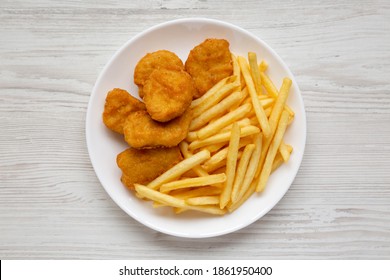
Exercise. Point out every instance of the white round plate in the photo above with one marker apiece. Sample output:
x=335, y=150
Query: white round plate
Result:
x=180, y=36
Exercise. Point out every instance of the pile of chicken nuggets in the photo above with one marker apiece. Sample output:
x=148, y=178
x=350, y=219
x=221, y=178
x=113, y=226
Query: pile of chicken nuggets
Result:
x=155, y=126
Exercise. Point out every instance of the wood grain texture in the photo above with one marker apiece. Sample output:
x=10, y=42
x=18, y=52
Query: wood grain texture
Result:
x=51, y=202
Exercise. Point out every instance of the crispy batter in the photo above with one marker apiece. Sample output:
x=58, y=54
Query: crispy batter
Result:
x=141, y=131
x=208, y=63
x=161, y=59
x=119, y=104
x=143, y=166
x=167, y=94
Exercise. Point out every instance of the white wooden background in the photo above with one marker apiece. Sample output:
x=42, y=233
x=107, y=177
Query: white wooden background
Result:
x=53, y=206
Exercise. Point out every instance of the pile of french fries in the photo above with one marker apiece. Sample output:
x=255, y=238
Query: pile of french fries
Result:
x=234, y=144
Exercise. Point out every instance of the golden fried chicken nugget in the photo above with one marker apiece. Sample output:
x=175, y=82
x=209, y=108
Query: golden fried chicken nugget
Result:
x=142, y=132
x=208, y=63
x=161, y=59
x=143, y=166
x=167, y=94
x=119, y=104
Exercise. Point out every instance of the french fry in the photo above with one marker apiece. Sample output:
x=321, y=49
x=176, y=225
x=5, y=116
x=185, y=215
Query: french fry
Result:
x=241, y=170
x=241, y=123
x=197, y=169
x=214, y=127
x=214, y=99
x=191, y=136
x=179, y=169
x=252, y=167
x=201, y=191
x=215, y=111
x=212, y=91
x=222, y=154
x=203, y=200
x=233, y=206
x=212, y=168
x=263, y=120
x=236, y=70
x=278, y=161
x=284, y=151
x=268, y=85
x=159, y=197
x=274, y=117
x=230, y=165
x=216, y=147
x=263, y=66
x=193, y=182
x=209, y=209
x=222, y=137
x=266, y=170
x=255, y=72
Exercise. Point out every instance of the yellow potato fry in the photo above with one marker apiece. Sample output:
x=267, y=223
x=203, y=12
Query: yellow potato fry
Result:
x=209, y=209
x=193, y=182
x=216, y=147
x=254, y=68
x=159, y=197
x=203, y=200
x=214, y=99
x=201, y=191
x=222, y=154
x=241, y=123
x=288, y=109
x=230, y=165
x=191, y=136
x=284, y=151
x=236, y=70
x=260, y=114
x=263, y=66
x=241, y=170
x=278, y=161
x=215, y=111
x=265, y=103
x=222, y=137
x=213, y=167
x=179, y=169
x=233, y=206
x=214, y=127
x=269, y=85
x=252, y=167
x=212, y=91
x=266, y=170
x=197, y=169
x=290, y=119
x=275, y=116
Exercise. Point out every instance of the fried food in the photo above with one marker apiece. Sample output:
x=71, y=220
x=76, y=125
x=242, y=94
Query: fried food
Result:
x=167, y=94
x=208, y=63
x=141, y=131
x=119, y=104
x=161, y=59
x=143, y=166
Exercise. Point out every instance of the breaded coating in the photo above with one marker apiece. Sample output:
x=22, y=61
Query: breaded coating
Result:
x=167, y=94
x=143, y=166
x=119, y=104
x=142, y=132
x=208, y=63
x=161, y=59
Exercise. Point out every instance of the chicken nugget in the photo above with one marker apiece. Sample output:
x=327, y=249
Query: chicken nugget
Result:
x=167, y=94
x=208, y=63
x=119, y=104
x=142, y=132
x=143, y=166
x=161, y=59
